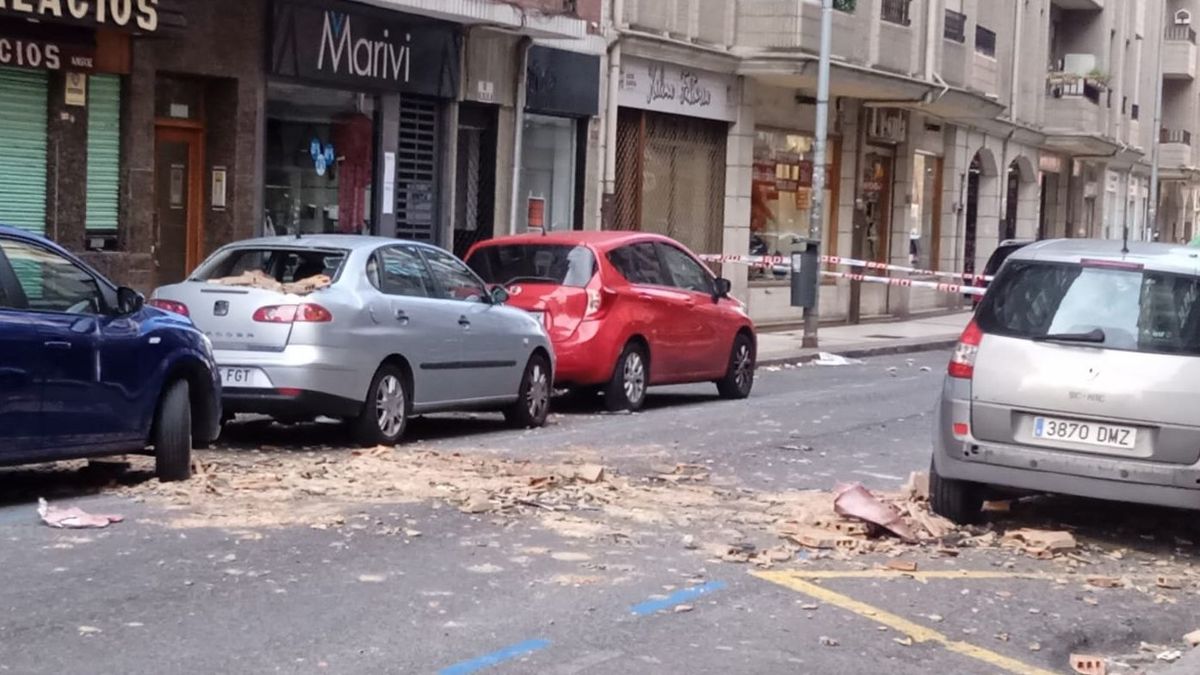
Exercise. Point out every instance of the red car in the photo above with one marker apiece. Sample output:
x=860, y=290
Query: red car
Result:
x=625, y=311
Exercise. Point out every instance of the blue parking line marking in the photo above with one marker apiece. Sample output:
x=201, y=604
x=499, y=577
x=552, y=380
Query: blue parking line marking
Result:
x=676, y=598
x=495, y=658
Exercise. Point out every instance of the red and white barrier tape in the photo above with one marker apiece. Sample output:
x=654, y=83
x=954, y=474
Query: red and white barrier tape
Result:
x=770, y=260
x=909, y=283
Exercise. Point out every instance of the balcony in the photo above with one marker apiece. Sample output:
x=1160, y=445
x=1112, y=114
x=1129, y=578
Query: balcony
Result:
x=1179, y=53
x=702, y=21
x=1091, y=5
x=1073, y=104
x=1175, y=148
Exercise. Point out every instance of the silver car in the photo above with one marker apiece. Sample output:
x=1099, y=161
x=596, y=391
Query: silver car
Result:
x=368, y=329
x=1080, y=374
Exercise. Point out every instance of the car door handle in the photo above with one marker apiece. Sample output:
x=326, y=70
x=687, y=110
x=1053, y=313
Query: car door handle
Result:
x=401, y=316
x=464, y=322
x=57, y=344
x=645, y=296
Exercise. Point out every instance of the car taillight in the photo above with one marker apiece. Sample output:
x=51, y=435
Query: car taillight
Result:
x=170, y=306
x=962, y=364
x=306, y=313
x=598, y=302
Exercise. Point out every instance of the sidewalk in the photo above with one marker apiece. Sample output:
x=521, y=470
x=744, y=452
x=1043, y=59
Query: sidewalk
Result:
x=867, y=339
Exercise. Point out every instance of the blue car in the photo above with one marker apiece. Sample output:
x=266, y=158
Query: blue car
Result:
x=86, y=369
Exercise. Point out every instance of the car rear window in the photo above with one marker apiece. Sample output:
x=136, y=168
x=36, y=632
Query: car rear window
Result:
x=285, y=265
x=1138, y=310
x=558, y=264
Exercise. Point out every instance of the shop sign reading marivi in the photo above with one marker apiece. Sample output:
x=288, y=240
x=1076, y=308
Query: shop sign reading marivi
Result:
x=129, y=14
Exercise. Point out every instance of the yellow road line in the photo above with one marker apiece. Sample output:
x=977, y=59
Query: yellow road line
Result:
x=916, y=631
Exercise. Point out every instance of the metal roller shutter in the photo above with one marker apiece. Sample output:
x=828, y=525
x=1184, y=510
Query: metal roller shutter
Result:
x=23, y=134
x=103, y=151
x=417, y=170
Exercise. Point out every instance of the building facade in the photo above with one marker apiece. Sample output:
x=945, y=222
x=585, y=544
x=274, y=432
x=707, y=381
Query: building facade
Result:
x=955, y=125
x=149, y=134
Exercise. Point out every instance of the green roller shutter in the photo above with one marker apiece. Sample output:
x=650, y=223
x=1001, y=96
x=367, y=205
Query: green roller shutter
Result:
x=23, y=138
x=103, y=151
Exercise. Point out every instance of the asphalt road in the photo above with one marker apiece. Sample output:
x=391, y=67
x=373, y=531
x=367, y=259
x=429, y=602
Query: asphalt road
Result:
x=505, y=594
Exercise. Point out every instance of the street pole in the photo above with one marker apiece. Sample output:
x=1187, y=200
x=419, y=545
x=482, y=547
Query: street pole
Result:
x=1152, y=206
x=817, y=222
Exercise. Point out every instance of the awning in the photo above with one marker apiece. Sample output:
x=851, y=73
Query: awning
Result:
x=492, y=14
x=1082, y=144
x=799, y=71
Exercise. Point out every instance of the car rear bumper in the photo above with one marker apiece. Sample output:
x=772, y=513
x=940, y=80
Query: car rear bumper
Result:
x=1085, y=475
x=288, y=403
x=331, y=371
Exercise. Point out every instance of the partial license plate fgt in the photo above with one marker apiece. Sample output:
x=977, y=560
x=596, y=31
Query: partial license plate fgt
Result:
x=243, y=377
x=1088, y=433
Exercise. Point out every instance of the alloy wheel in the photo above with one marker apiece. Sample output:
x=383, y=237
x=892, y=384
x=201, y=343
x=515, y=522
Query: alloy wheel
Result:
x=390, y=405
x=743, y=367
x=635, y=377
x=538, y=397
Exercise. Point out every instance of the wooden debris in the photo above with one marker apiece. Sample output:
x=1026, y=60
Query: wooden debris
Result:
x=1105, y=582
x=1042, y=541
x=902, y=565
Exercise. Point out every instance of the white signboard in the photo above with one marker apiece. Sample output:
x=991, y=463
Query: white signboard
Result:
x=679, y=90
x=389, y=183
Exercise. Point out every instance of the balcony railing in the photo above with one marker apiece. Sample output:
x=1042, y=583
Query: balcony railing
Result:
x=1175, y=136
x=895, y=11
x=956, y=26
x=1074, y=88
x=1181, y=34
x=985, y=41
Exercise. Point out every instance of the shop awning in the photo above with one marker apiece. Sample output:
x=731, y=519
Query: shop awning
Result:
x=493, y=14
x=1082, y=144
x=799, y=71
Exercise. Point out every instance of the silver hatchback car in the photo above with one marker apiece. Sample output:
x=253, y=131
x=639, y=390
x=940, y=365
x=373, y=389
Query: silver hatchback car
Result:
x=1080, y=374
x=368, y=329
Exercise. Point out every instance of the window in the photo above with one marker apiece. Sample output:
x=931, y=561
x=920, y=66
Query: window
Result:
x=685, y=272
x=547, y=174
x=846, y=6
x=639, y=264
x=1140, y=311
x=454, y=280
x=985, y=41
x=50, y=282
x=535, y=263
x=282, y=264
x=925, y=212
x=956, y=26
x=895, y=11
x=400, y=270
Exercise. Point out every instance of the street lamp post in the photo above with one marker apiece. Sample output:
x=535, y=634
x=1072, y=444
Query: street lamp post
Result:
x=811, y=268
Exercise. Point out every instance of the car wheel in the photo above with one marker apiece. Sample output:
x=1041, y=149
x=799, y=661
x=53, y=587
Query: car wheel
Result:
x=627, y=389
x=533, y=400
x=739, y=374
x=385, y=412
x=960, y=501
x=173, y=434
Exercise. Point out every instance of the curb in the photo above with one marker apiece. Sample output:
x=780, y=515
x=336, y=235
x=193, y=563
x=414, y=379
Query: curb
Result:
x=866, y=352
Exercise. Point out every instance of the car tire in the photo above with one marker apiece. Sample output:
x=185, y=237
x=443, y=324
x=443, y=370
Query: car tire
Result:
x=739, y=373
x=533, y=398
x=627, y=388
x=960, y=501
x=173, y=433
x=385, y=413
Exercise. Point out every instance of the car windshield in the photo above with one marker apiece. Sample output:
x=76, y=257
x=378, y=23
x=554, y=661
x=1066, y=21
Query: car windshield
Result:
x=1134, y=309
x=558, y=264
x=284, y=265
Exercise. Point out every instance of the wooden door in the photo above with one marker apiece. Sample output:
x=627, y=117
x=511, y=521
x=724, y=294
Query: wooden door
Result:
x=178, y=200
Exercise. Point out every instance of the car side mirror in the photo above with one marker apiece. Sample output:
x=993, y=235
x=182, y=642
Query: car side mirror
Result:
x=498, y=294
x=129, y=301
x=723, y=288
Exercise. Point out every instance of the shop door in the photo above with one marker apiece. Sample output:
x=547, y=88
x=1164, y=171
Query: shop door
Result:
x=972, y=216
x=178, y=201
x=23, y=128
x=475, y=179
x=417, y=170
x=869, y=240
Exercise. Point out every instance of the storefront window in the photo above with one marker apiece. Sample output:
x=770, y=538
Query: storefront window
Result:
x=925, y=213
x=320, y=168
x=782, y=196
x=547, y=174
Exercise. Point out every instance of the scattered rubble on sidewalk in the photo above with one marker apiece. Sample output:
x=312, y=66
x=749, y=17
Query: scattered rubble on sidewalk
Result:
x=73, y=518
x=1088, y=664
